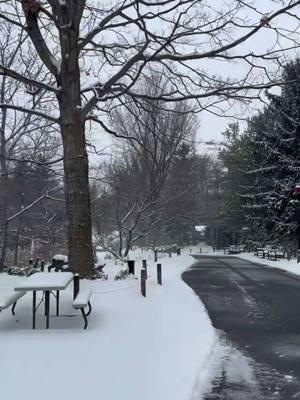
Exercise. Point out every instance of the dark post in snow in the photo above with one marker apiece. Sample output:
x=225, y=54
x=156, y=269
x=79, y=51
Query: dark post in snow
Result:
x=159, y=275
x=170, y=252
x=178, y=251
x=200, y=249
x=155, y=255
x=76, y=284
x=36, y=263
x=130, y=266
x=145, y=267
x=143, y=282
x=42, y=266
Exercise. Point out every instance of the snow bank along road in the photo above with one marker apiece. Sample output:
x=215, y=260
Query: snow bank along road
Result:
x=257, y=312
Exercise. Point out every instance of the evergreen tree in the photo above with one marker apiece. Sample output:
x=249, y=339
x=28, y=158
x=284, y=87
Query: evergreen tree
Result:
x=274, y=136
x=236, y=160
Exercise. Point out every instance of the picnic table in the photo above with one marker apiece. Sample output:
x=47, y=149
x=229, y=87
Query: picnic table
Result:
x=270, y=253
x=261, y=252
x=275, y=254
x=47, y=283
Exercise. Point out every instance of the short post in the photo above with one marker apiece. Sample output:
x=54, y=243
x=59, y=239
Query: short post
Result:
x=130, y=266
x=145, y=267
x=155, y=255
x=76, y=284
x=170, y=253
x=143, y=282
x=190, y=250
x=159, y=276
x=200, y=249
x=42, y=266
x=178, y=251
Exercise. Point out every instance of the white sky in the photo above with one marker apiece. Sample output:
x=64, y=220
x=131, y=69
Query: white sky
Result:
x=212, y=126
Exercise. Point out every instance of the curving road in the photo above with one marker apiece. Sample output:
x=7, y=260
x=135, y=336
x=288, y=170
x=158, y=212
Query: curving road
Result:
x=257, y=312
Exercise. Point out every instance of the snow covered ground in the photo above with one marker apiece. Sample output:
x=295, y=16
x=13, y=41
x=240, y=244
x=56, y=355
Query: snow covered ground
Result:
x=135, y=348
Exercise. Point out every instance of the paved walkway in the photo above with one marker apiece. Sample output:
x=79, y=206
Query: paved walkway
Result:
x=257, y=311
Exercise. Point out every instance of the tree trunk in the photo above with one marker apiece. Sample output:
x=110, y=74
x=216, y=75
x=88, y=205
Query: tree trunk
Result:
x=3, y=185
x=75, y=161
x=16, y=252
x=78, y=201
x=3, y=218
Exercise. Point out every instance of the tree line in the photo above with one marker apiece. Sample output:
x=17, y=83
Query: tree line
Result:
x=261, y=165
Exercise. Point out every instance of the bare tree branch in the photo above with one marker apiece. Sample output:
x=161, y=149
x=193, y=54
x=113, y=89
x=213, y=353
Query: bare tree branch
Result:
x=29, y=111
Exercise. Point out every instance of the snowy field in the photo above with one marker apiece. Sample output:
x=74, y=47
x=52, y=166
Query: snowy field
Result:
x=135, y=348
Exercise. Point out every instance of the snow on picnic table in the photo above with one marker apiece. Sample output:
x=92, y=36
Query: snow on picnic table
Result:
x=135, y=348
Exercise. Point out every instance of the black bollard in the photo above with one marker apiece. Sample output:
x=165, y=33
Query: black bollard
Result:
x=130, y=266
x=159, y=274
x=143, y=282
x=145, y=267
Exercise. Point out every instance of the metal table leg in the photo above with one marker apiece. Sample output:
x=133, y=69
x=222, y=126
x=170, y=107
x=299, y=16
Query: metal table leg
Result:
x=57, y=303
x=47, y=307
x=76, y=285
x=33, y=308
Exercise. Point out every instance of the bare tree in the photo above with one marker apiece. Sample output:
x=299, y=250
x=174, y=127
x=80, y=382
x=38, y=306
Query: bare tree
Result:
x=16, y=128
x=97, y=53
x=135, y=180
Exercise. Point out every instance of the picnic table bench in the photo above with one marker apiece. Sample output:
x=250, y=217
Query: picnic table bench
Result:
x=82, y=300
x=8, y=299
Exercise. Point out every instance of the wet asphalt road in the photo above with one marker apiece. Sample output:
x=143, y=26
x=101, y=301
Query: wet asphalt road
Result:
x=256, y=310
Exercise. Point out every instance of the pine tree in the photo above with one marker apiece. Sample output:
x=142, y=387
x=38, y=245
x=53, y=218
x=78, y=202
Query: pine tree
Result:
x=274, y=135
